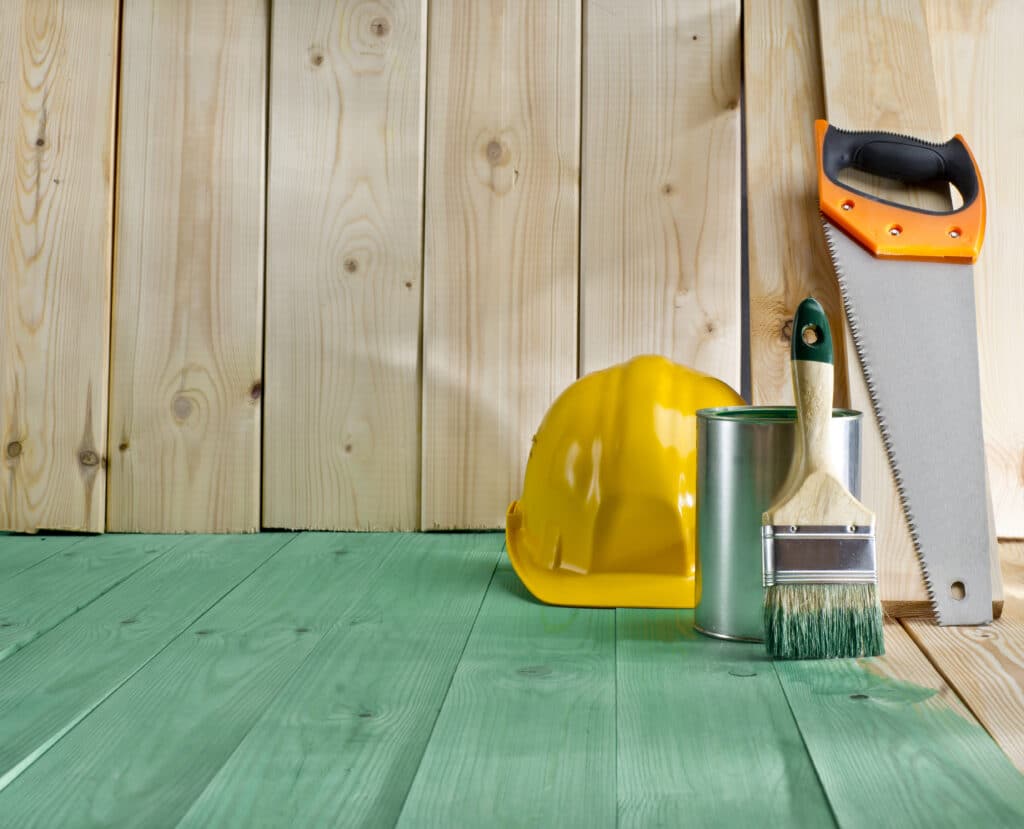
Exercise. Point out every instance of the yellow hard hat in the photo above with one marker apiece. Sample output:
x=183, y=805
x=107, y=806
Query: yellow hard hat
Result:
x=607, y=516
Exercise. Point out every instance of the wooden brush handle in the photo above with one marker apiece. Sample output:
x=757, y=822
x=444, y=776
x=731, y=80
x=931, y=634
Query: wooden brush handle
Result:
x=813, y=379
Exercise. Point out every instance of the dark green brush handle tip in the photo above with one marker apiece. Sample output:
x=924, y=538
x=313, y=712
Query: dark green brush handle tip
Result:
x=812, y=339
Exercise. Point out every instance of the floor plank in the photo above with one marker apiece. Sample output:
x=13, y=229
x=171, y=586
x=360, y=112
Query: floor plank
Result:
x=143, y=756
x=899, y=751
x=47, y=689
x=20, y=552
x=527, y=732
x=41, y=597
x=342, y=742
x=986, y=664
x=705, y=735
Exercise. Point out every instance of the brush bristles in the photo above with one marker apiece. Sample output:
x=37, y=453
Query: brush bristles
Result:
x=822, y=621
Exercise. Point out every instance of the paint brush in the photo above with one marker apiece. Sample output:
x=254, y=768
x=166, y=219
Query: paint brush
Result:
x=818, y=541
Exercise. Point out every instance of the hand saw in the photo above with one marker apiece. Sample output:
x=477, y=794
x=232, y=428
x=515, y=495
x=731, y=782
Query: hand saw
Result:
x=907, y=283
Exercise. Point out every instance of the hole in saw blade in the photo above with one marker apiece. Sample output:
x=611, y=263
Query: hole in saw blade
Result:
x=957, y=590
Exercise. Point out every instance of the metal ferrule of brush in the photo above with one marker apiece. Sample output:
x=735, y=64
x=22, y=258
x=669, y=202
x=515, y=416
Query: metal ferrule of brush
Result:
x=819, y=555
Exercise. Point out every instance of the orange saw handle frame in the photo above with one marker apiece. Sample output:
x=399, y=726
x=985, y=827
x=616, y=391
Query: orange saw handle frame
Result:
x=896, y=231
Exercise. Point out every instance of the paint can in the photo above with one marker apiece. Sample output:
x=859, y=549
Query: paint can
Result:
x=743, y=457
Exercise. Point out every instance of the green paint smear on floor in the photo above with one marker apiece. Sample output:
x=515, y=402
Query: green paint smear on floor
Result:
x=893, y=753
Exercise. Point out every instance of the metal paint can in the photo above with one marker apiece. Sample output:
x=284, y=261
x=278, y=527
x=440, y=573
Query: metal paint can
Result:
x=743, y=457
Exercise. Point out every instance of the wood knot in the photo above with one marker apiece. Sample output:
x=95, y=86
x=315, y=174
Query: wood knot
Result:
x=88, y=458
x=859, y=696
x=350, y=265
x=539, y=671
x=710, y=327
x=317, y=59
x=786, y=333
x=302, y=630
x=366, y=715
x=348, y=448
x=494, y=151
x=131, y=620
x=181, y=407
x=203, y=632
x=256, y=392
x=122, y=446
x=693, y=37
x=408, y=285
x=40, y=142
x=13, y=449
x=380, y=26
x=668, y=189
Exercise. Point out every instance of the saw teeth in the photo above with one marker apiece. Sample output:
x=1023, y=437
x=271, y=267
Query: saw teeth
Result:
x=854, y=326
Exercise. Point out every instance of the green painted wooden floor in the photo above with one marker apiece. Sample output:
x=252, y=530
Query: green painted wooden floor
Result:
x=372, y=680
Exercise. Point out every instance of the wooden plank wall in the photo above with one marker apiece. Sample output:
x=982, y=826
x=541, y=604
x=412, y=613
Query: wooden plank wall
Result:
x=660, y=235
x=345, y=201
x=463, y=211
x=187, y=336
x=975, y=50
x=501, y=244
x=58, y=71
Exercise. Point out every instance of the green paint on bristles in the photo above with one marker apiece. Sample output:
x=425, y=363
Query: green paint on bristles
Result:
x=822, y=621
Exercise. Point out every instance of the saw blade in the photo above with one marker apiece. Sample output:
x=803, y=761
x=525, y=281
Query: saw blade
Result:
x=913, y=326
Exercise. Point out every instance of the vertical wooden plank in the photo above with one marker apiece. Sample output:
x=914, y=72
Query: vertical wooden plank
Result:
x=660, y=226
x=341, y=446
x=788, y=259
x=978, y=61
x=58, y=67
x=892, y=89
x=501, y=238
x=188, y=284
x=892, y=745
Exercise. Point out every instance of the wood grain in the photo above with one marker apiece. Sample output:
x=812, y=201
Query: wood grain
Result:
x=788, y=259
x=705, y=736
x=527, y=733
x=57, y=101
x=38, y=599
x=986, y=664
x=893, y=747
x=49, y=688
x=345, y=208
x=20, y=552
x=146, y=753
x=188, y=283
x=342, y=741
x=501, y=238
x=660, y=220
x=976, y=53
x=894, y=90
x=814, y=495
